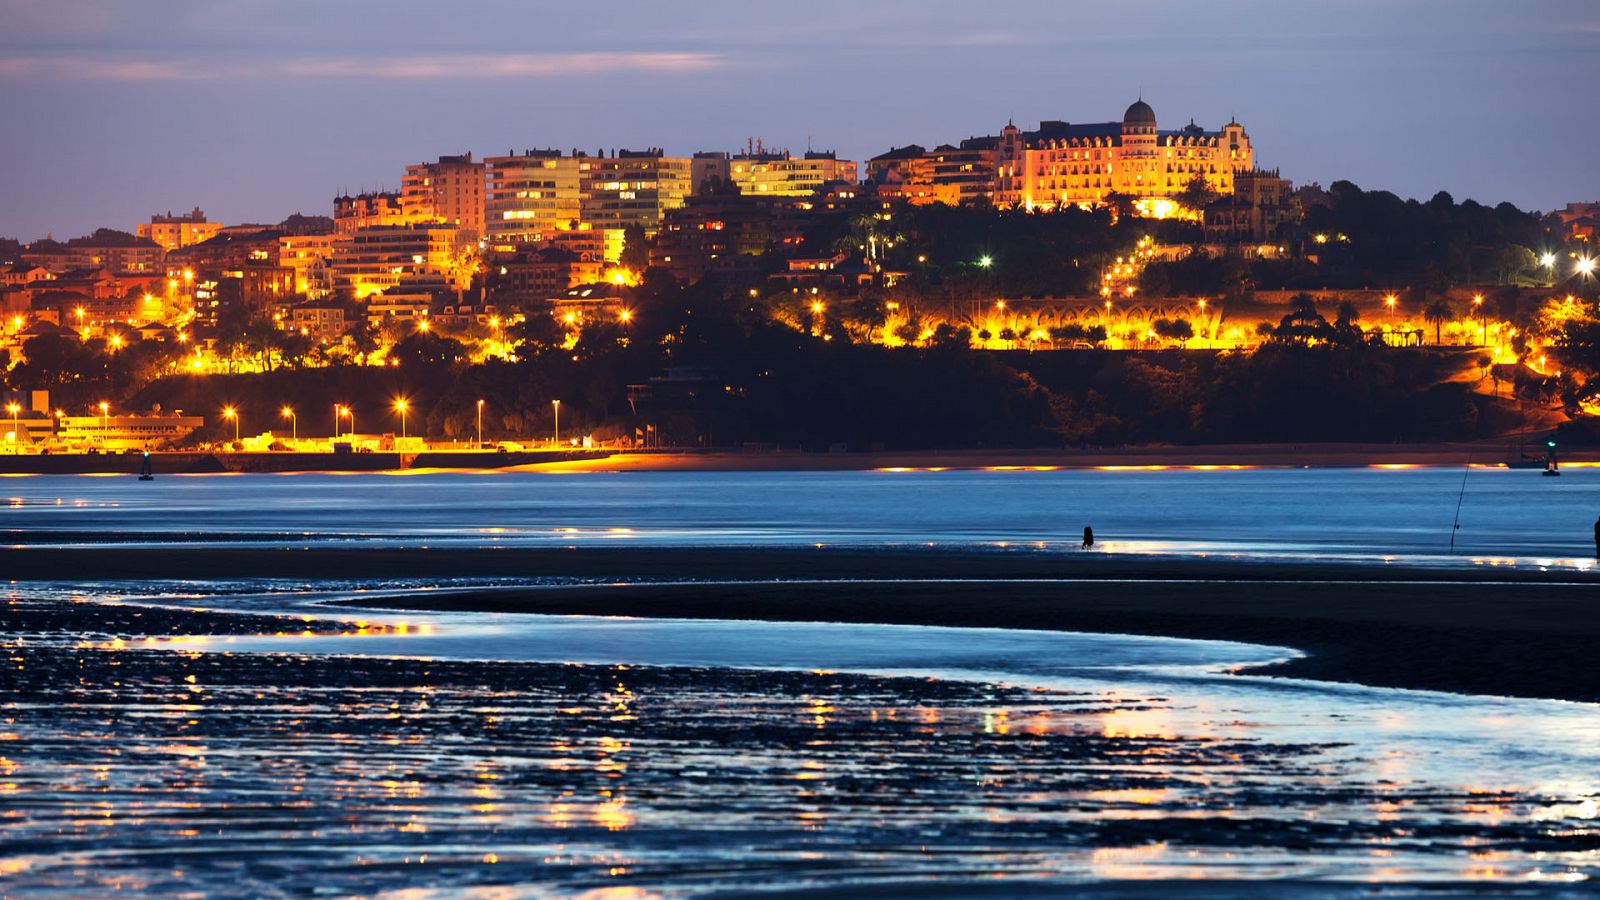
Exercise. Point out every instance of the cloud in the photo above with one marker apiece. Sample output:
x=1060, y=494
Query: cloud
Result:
x=502, y=65
x=389, y=66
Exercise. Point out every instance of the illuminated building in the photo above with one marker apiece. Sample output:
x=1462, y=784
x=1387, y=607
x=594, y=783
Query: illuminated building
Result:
x=540, y=273
x=1067, y=164
x=448, y=191
x=1261, y=202
x=781, y=175
x=717, y=231
x=113, y=251
x=322, y=320
x=309, y=256
x=172, y=232
x=369, y=210
x=950, y=175
x=530, y=196
x=376, y=259
x=633, y=188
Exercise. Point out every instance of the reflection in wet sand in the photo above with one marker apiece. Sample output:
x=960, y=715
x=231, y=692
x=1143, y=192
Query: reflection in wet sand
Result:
x=173, y=771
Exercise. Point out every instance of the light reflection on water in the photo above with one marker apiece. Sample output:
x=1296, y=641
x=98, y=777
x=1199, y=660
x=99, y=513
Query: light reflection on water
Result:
x=382, y=759
x=1508, y=517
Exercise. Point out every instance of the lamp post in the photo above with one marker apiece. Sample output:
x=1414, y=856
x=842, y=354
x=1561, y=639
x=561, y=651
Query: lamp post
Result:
x=1483, y=319
x=1389, y=301
x=294, y=424
x=337, y=412
x=229, y=412
x=105, y=420
x=351, y=415
x=480, y=424
x=16, y=430
x=401, y=405
x=557, y=405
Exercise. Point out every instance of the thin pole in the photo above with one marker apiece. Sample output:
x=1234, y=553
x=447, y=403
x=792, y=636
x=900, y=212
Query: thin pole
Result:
x=1456, y=526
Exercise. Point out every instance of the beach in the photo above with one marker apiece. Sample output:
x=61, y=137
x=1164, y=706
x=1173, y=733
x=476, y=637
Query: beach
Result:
x=1485, y=629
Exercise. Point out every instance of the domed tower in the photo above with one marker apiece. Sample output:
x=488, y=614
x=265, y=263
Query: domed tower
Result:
x=1136, y=169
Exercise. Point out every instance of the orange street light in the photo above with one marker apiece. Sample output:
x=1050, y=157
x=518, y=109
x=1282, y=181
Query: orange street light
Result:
x=557, y=405
x=480, y=424
x=229, y=412
x=401, y=406
x=16, y=430
x=294, y=423
x=105, y=419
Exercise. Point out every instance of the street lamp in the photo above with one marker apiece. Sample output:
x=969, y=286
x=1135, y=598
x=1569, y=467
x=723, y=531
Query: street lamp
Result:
x=1584, y=266
x=337, y=412
x=105, y=420
x=294, y=424
x=557, y=405
x=351, y=415
x=1477, y=300
x=985, y=261
x=229, y=412
x=1389, y=300
x=16, y=431
x=480, y=424
x=401, y=405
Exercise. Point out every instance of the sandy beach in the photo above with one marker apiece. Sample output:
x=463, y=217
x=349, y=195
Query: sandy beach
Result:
x=1485, y=630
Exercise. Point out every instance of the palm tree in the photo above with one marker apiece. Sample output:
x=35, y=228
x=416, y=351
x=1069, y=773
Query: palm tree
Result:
x=1438, y=312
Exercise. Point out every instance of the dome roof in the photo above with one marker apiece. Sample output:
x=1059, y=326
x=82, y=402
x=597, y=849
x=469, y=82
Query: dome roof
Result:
x=1139, y=113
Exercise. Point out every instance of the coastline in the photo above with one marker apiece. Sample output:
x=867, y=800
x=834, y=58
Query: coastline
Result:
x=1210, y=456
x=1481, y=630
x=1220, y=456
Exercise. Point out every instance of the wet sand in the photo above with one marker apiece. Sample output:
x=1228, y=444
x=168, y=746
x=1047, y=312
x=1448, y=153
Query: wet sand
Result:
x=1483, y=630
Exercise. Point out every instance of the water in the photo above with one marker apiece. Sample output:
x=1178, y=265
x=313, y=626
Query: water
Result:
x=1357, y=514
x=462, y=753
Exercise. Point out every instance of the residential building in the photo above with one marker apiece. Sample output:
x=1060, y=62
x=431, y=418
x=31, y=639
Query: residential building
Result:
x=172, y=232
x=309, y=255
x=321, y=320
x=369, y=210
x=782, y=175
x=530, y=196
x=450, y=191
x=375, y=259
x=633, y=188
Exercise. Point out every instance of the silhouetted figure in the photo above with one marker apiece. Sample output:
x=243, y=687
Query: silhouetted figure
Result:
x=1088, y=535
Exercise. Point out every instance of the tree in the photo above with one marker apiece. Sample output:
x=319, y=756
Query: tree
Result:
x=1179, y=330
x=1302, y=325
x=635, y=249
x=1438, y=312
x=1197, y=194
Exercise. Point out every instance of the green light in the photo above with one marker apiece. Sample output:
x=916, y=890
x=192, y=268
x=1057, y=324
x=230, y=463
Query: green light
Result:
x=985, y=261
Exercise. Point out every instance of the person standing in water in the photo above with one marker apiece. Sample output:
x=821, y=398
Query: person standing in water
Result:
x=1088, y=536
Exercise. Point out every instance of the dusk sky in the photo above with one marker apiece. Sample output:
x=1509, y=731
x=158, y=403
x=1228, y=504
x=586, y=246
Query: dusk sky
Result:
x=254, y=109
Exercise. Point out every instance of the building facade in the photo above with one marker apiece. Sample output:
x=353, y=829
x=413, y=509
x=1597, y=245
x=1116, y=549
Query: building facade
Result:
x=449, y=191
x=530, y=196
x=1066, y=164
x=782, y=175
x=634, y=188
x=376, y=259
x=378, y=209
x=172, y=232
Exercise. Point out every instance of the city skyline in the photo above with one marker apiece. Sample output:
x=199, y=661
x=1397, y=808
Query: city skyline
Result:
x=176, y=110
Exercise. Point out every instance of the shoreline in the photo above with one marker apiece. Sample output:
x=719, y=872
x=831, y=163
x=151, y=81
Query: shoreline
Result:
x=1495, y=454
x=1483, y=630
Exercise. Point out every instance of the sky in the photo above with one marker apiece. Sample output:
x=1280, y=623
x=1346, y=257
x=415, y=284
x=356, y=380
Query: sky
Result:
x=255, y=109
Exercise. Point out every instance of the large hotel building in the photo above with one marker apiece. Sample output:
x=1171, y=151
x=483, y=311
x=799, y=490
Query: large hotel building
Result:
x=1066, y=164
